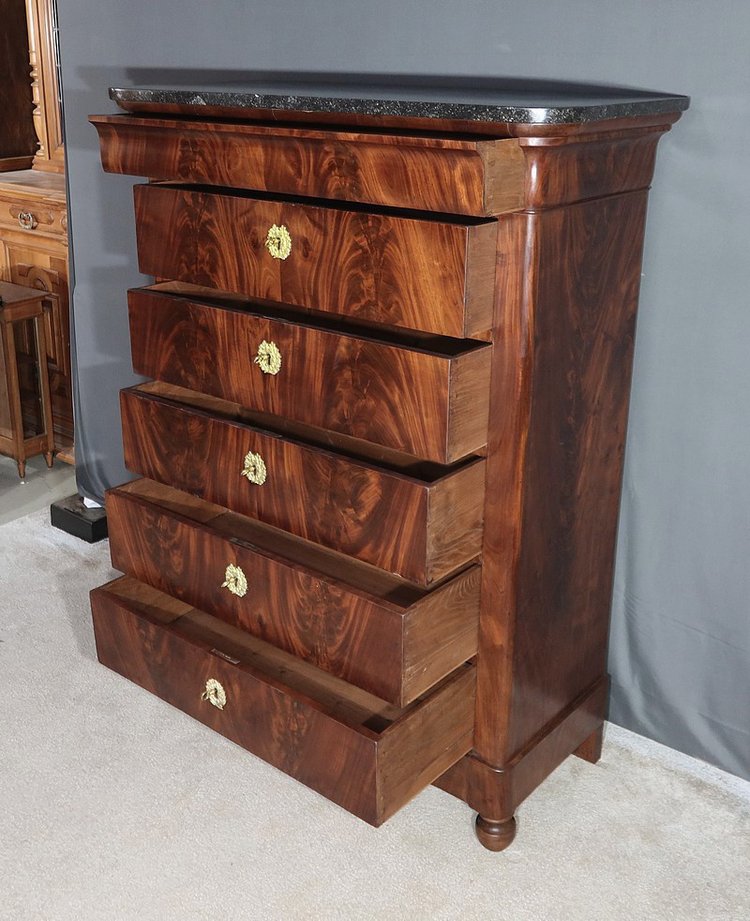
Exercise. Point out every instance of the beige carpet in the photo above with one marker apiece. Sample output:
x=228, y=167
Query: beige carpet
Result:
x=39, y=489
x=114, y=806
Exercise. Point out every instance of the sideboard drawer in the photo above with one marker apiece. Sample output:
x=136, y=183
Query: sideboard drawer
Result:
x=34, y=215
x=422, y=522
x=461, y=175
x=350, y=619
x=434, y=274
x=358, y=751
x=430, y=401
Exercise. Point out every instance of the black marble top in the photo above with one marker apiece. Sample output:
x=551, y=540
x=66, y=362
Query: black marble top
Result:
x=481, y=99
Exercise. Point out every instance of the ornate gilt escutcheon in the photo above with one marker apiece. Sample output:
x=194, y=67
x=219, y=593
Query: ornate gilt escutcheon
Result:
x=235, y=581
x=268, y=357
x=215, y=694
x=254, y=469
x=278, y=241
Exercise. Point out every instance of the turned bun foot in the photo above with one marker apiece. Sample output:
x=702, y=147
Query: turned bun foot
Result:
x=495, y=836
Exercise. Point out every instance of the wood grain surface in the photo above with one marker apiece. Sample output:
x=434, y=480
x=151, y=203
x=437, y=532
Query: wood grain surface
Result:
x=498, y=791
x=395, y=268
x=565, y=171
x=522, y=165
x=390, y=638
x=568, y=282
x=459, y=175
x=399, y=522
x=563, y=364
x=425, y=403
x=584, y=336
x=356, y=750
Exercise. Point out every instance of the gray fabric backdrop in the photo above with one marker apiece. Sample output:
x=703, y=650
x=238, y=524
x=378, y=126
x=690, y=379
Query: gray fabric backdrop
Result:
x=681, y=637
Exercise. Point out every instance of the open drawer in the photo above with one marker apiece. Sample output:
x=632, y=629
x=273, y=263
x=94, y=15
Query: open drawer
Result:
x=352, y=747
x=423, y=395
x=419, y=521
x=405, y=169
x=350, y=619
x=404, y=269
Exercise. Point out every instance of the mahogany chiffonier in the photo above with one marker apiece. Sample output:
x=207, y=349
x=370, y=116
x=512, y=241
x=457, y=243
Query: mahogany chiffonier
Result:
x=389, y=347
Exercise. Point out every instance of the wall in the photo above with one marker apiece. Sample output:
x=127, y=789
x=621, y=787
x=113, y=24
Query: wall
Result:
x=680, y=638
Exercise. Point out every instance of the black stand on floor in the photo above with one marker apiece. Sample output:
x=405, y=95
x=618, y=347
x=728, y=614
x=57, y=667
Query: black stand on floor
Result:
x=72, y=516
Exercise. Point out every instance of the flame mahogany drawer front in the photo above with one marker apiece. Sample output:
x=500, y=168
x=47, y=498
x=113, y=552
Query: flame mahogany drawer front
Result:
x=352, y=747
x=432, y=273
x=456, y=175
x=430, y=401
x=354, y=621
x=419, y=521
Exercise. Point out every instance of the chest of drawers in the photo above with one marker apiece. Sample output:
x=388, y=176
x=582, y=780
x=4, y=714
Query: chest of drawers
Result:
x=389, y=345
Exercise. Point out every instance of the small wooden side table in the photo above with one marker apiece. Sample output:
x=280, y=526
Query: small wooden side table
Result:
x=19, y=304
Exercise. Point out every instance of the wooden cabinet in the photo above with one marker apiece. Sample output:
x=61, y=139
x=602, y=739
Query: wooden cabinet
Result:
x=382, y=445
x=34, y=252
x=33, y=209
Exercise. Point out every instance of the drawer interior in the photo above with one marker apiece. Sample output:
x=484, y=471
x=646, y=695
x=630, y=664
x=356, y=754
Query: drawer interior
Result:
x=239, y=529
x=347, y=703
x=356, y=449
x=443, y=217
x=412, y=339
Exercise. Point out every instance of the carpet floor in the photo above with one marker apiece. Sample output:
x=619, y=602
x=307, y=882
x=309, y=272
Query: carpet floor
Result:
x=115, y=806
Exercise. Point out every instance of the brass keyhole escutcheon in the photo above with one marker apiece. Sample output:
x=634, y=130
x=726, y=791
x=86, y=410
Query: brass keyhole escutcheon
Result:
x=278, y=241
x=268, y=358
x=254, y=469
x=235, y=581
x=215, y=694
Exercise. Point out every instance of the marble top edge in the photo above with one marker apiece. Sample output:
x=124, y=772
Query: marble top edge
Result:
x=483, y=104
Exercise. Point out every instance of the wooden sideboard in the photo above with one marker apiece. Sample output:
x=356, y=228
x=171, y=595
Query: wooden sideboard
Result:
x=33, y=205
x=390, y=348
x=34, y=252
